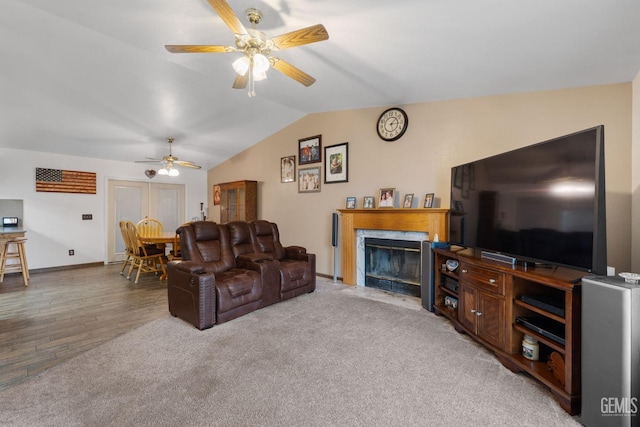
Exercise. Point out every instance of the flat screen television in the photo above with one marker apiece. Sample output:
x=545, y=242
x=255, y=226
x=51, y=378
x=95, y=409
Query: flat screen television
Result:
x=541, y=205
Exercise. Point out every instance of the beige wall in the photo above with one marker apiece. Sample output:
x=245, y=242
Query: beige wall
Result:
x=440, y=135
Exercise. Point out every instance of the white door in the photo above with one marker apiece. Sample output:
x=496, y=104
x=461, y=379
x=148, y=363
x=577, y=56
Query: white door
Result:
x=133, y=201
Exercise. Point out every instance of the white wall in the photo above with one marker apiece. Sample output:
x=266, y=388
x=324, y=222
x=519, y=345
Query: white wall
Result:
x=54, y=220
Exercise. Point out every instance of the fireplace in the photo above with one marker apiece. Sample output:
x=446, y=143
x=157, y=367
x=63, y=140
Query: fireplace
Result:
x=393, y=265
x=419, y=225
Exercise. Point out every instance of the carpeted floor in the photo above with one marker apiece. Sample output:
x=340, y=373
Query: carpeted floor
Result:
x=323, y=359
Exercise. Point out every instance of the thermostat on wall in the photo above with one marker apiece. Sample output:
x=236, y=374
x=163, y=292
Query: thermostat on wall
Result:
x=10, y=221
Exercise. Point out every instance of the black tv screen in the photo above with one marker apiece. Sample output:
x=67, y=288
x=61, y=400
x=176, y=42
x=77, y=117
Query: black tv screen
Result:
x=544, y=203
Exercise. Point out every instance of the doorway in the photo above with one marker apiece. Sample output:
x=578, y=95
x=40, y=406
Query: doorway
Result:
x=135, y=200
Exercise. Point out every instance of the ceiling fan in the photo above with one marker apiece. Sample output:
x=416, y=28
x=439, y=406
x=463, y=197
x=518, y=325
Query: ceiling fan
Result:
x=170, y=162
x=257, y=47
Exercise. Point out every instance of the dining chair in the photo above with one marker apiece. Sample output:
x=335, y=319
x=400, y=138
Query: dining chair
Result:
x=145, y=259
x=128, y=247
x=150, y=227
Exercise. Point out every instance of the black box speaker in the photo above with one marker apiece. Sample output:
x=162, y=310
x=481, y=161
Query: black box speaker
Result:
x=334, y=230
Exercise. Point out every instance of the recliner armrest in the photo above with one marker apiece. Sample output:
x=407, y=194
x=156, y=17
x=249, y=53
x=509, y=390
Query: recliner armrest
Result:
x=255, y=257
x=292, y=251
x=190, y=267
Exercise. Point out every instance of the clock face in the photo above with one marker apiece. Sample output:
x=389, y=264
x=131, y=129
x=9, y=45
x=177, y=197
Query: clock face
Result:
x=392, y=124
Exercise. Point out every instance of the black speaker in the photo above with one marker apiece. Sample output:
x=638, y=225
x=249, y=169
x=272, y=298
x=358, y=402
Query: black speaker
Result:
x=334, y=230
x=426, y=275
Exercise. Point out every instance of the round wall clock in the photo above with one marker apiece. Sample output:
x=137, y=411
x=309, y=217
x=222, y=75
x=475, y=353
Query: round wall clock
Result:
x=392, y=124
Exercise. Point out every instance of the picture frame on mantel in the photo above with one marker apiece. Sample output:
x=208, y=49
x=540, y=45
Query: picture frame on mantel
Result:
x=368, y=202
x=386, y=198
x=310, y=150
x=408, y=200
x=428, y=200
x=351, y=203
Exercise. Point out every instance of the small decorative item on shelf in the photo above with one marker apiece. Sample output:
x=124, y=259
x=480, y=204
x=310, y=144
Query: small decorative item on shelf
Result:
x=368, y=202
x=530, y=348
x=428, y=200
x=451, y=302
x=556, y=366
x=387, y=198
x=408, y=200
x=452, y=264
x=351, y=202
x=630, y=277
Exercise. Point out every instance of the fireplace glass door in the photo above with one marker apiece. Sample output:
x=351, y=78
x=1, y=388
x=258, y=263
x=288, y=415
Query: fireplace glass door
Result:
x=393, y=265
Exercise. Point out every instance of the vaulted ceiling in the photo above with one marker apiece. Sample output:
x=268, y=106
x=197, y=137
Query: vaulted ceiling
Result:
x=92, y=78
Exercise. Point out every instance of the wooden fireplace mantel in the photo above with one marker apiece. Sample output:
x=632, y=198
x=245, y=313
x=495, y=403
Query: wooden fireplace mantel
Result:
x=428, y=220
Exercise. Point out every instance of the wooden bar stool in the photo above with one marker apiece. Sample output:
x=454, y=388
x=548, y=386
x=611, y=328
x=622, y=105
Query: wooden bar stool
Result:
x=18, y=254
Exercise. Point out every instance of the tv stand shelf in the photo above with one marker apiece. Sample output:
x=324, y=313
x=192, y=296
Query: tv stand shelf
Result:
x=489, y=295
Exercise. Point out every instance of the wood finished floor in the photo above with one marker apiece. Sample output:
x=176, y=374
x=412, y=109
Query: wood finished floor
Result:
x=64, y=313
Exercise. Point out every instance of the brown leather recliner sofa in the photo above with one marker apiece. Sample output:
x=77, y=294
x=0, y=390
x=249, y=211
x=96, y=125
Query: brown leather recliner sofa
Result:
x=229, y=270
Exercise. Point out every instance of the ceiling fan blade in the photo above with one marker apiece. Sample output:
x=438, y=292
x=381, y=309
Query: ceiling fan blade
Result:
x=241, y=81
x=193, y=48
x=150, y=160
x=186, y=164
x=315, y=33
x=289, y=70
x=223, y=9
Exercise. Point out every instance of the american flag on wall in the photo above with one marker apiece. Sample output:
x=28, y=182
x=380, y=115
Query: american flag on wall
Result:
x=61, y=181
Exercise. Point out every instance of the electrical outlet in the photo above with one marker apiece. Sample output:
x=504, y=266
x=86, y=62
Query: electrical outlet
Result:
x=71, y=252
x=87, y=216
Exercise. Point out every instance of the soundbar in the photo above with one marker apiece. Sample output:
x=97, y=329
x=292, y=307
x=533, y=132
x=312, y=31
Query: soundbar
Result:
x=498, y=257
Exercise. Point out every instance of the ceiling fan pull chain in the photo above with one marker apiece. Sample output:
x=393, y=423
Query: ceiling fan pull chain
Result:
x=252, y=91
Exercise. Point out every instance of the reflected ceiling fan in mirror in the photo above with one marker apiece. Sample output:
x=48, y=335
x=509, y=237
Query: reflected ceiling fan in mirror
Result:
x=170, y=163
x=257, y=47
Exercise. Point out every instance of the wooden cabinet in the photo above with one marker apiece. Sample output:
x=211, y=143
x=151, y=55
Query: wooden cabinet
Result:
x=482, y=303
x=238, y=201
x=487, y=300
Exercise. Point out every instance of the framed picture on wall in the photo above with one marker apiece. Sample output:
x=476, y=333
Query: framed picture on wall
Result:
x=336, y=163
x=288, y=169
x=309, y=180
x=309, y=150
x=216, y=195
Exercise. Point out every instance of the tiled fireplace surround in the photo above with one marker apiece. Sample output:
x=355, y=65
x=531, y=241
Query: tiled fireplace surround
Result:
x=361, y=235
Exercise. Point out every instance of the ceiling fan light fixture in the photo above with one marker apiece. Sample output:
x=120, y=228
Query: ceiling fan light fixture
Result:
x=174, y=172
x=163, y=171
x=241, y=65
x=260, y=63
x=259, y=76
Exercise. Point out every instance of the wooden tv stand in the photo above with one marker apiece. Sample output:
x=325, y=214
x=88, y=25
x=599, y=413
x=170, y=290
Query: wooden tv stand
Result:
x=489, y=299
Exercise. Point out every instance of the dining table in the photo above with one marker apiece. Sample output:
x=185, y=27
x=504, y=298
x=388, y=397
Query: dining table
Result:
x=170, y=237
x=161, y=240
